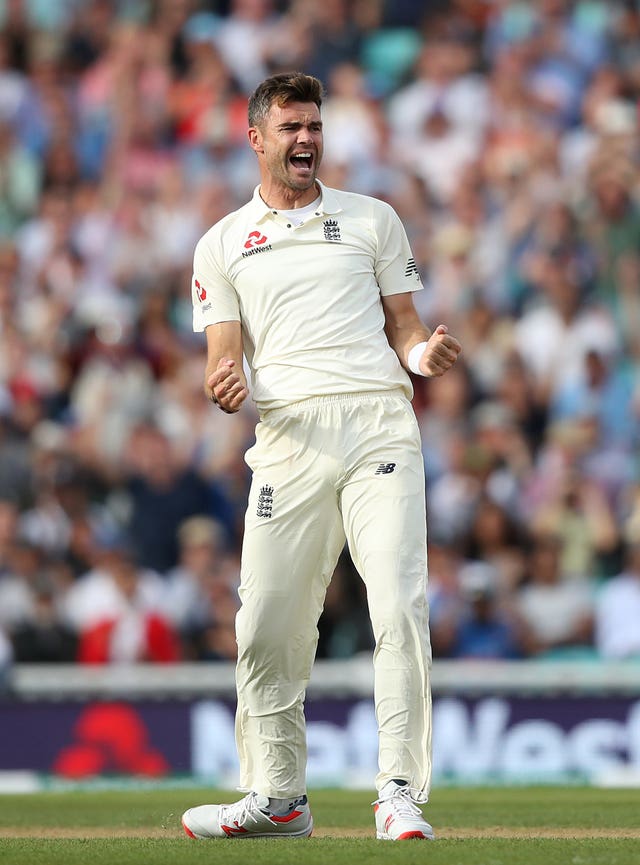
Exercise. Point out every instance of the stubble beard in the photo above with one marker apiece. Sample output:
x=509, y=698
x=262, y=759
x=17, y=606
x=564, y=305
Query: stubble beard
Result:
x=302, y=186
x=283, y=174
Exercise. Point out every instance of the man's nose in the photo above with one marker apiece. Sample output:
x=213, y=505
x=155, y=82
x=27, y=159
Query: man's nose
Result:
x=304, y=136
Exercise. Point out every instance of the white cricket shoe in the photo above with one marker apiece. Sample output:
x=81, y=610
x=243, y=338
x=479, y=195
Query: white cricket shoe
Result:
x=398, y=818
x=248, y=818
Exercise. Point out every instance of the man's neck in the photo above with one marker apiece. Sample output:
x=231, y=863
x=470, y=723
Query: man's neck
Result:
x=288, y=199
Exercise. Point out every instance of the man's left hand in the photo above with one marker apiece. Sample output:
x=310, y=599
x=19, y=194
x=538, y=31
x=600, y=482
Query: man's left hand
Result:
x=440, y=353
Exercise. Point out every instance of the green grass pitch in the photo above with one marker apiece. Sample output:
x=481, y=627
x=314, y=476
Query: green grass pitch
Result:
x=474, y=826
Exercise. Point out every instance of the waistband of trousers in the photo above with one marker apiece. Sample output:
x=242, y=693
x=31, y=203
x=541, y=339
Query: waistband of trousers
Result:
x=313, y=402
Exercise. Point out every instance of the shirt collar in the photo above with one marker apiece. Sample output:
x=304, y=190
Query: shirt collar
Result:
x=328, y=203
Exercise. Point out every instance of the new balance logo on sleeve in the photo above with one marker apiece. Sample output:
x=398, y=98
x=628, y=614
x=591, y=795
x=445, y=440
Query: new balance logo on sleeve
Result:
x=411, y=269
x=385, y=468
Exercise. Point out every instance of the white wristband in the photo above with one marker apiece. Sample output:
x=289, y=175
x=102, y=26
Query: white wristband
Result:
x=413, y=358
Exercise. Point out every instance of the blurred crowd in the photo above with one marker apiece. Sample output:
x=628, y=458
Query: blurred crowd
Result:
x=506, y=136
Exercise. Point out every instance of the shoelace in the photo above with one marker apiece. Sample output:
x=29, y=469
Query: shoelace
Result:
x=402, y=802
x=239, y=811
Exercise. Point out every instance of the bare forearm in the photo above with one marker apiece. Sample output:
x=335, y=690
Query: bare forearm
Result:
x=403, y=338
x=224, y=380
x=434, y=352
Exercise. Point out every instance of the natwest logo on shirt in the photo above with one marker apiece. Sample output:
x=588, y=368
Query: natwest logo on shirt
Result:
x=255, y=243
x=254, y=239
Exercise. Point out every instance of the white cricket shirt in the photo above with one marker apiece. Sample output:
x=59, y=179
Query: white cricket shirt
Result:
x=307, y=296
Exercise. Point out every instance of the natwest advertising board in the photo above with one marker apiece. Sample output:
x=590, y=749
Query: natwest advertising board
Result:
x=504, y=738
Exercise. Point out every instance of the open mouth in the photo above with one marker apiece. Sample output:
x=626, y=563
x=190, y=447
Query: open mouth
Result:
x=302, y=160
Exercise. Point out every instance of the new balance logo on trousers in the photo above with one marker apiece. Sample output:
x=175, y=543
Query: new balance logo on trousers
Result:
x=385, y=468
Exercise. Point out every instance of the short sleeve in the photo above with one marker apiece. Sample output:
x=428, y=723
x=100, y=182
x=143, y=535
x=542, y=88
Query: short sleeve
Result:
x=213, y=296
x=395, y=267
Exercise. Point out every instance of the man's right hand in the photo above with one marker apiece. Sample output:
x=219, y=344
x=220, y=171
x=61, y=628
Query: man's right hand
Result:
x=226, y=387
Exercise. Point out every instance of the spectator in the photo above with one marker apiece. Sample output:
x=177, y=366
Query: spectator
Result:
x=204, y=94
x=19, y=182
x=18, y=584
x=334, y=37
x=116, y=610
x=487, y=628
x=613, y=228
x=496, y=538
x=244, y=38
x=557, y=612
x=191, y=585
x=604, y=391
x=344, y=627
x=44, y=638
x=162, y=492
x=204, y=586
x=444, y=82
x=446, y=604
x=353, y=128
x=581, y=517
x=553, y=335
x=438, y=154
x=617, y=633
x=216, y=639
x=14, y=85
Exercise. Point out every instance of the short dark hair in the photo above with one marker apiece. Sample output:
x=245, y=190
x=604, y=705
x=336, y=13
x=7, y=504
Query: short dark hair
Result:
x=281, y=89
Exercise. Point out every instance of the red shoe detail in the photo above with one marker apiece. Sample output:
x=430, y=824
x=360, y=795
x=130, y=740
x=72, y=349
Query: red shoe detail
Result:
x=188, y=831
x=287, y=818
x=230, y=831
x=407, y=835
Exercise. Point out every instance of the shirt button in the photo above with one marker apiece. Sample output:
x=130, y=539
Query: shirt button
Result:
x=317, y=213
x=275, y=212
x=288, y=225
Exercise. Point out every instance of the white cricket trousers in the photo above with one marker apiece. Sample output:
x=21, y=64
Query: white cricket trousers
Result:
x=324, y=470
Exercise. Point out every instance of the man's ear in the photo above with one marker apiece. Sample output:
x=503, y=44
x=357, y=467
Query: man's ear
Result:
x=255, y=139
